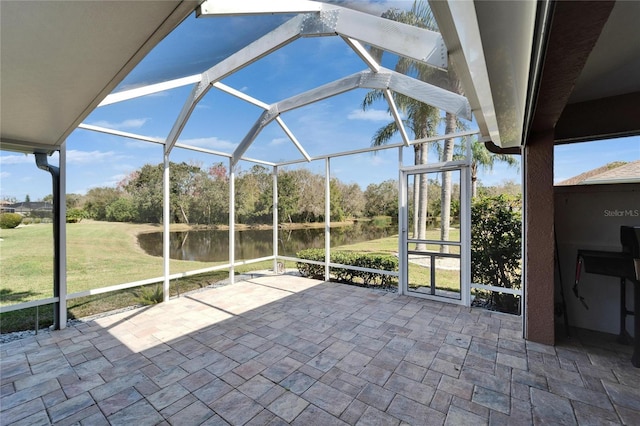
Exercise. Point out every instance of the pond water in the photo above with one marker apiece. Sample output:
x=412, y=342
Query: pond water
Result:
x=213, y=245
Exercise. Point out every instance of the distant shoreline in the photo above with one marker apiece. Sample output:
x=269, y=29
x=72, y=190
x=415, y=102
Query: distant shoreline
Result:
x=177, y=227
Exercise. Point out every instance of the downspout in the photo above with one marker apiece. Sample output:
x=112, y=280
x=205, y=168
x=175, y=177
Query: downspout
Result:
x=492, y=147
x=59, y=319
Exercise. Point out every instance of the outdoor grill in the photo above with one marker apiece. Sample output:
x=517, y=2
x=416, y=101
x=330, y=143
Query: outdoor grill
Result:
x=625, y=265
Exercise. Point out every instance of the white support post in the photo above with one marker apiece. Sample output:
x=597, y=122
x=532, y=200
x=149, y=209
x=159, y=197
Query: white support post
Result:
x=465, y=227
x=275, y=219
x=166, y=220
x=402, y=227
x=232, y=222
x=327, y=219
x=62, y=237
x=523, y=249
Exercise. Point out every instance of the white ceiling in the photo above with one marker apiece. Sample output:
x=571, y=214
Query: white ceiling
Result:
x=613, y=68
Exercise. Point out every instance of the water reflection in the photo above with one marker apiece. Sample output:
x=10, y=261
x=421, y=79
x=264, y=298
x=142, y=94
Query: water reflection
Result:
x=213, y=245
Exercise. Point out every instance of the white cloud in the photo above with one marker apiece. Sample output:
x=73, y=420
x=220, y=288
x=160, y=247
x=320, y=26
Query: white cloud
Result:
x=16, y=159
x=4, y=175
x=278, y=141
x=132, y=123
x=369, y=115
x=90, y=157
x=210, y=143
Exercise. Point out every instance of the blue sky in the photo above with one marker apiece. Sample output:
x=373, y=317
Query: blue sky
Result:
x=220, y=121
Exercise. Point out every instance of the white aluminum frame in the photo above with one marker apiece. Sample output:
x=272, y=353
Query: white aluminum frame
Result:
x=323, y=19
x=356, y=29
x=385, y=80
x=463, y=167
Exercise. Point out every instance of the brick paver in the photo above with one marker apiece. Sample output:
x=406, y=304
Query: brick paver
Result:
x=287, y=350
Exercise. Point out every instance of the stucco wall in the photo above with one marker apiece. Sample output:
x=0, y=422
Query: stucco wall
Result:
x=589, y=217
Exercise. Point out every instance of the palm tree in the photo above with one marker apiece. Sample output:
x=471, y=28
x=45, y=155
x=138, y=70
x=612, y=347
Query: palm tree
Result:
x=483, y=159
x=422, y=119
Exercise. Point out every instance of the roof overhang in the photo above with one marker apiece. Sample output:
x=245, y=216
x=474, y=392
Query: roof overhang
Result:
x=59, y=59
x=524, y=66
x=530, y=67
x=490, y=46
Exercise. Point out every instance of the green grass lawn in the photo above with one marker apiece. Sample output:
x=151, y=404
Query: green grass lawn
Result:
x=101, y=254
x=418, y=276
x=389, y=245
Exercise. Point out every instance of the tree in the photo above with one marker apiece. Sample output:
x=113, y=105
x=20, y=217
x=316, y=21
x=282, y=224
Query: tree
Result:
x=183, y=179
x=336, y=197
x=27, y=199
x=421, y=16
x=213, y=195
x=73, y=200
x=421, y=119
x=121, y=210
x=145, y=187
x=287, y=197
x=254, y=189
x=381, y=199
x=309, y=194
x=97, y=200
x=353, y=200
x=507, y=187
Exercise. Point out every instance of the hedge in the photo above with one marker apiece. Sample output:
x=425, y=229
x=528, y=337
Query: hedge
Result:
x=349, y=276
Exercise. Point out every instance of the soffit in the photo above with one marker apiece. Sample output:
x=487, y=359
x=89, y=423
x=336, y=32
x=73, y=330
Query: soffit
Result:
x=589, y=67
x=59, y=59
x=590, y=87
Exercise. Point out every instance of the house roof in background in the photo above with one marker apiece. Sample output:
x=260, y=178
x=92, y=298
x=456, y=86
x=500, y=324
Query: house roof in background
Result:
x=616, y=172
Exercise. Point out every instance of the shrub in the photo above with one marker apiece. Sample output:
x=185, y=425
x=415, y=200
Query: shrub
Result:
x=10, y=220
x=496, y=247
x=150, y=295
x=308, y=269
x=121, y=210
x=362, y=260
x=75, y=215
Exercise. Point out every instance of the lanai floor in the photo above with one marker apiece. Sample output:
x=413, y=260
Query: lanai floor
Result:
x=283, y=349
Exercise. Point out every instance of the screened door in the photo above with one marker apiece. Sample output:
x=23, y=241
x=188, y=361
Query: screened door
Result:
x=434, y=243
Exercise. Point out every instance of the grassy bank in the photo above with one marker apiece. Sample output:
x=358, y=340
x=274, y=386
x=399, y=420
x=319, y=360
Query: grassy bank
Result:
x=101, y=254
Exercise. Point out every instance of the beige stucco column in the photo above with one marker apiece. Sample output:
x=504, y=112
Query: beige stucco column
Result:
x=538, y=238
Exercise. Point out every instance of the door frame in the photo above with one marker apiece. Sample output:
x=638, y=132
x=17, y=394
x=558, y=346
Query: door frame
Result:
x=465, y=229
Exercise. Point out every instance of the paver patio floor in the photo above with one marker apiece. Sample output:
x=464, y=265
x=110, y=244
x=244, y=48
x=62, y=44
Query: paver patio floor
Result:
x=288, y=350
